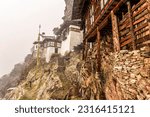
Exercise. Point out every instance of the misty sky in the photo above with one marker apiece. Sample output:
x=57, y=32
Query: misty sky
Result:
x=19, y=20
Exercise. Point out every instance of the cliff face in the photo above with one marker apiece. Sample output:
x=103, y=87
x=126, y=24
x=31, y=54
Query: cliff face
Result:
x=68, y=10
x=65, y=77
x=56, y=80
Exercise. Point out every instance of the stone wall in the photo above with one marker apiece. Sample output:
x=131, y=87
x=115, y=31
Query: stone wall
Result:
x=127, y=75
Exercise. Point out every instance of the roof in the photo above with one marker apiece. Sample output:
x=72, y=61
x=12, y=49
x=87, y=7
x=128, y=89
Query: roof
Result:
x=48, y=37
x=36, y=42
x=50, y=40
x=66, y=24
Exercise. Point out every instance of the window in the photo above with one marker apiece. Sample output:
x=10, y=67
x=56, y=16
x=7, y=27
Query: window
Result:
x=58, y=45
x=92, y=14
x=48, y=44
x=52, y=43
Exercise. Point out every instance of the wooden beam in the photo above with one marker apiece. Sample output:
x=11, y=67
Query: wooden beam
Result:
x=148, y=3
x=98, y=22
x=131, y=25
x=86, y=49
x=115, y=32
x=98, y=51
x=83, y=51
x=138, y=5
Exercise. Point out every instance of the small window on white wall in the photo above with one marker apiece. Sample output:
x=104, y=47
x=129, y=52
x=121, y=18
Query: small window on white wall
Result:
x=58, y=45
x=52, y=43
x=49, y=43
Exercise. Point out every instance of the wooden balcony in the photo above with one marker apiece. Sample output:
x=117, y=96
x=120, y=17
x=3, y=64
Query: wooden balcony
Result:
x=101, y=16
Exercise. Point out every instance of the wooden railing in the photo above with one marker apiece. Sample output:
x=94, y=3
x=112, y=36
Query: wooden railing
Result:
x=141, y=20
x=124, y=29
x=140, y=23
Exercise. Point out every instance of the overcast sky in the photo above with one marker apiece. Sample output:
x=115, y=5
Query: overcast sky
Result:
x=19, y=20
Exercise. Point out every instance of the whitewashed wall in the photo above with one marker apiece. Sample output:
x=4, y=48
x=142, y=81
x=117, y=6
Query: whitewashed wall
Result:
x=65, y=45
x=49, y=52
x=59, y=50
x=73, y=39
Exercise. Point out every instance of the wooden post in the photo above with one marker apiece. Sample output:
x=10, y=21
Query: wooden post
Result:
x=131, y=25
x=148, y=16
x=83, y=51
x=148, y=3
x=115, y=32
x=86, y=49
x=98, y=51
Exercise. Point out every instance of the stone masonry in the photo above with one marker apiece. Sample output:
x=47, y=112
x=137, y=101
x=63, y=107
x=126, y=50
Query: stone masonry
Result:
x=130, y=76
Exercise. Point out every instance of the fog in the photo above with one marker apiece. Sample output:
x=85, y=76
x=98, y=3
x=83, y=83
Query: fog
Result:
x=19, y=21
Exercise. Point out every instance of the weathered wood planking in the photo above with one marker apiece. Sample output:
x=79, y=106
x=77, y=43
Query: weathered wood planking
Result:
x=115, y=32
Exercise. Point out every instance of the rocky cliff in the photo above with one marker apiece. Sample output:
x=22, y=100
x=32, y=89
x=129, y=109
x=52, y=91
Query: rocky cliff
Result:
x=55, y=80
x=68, y=10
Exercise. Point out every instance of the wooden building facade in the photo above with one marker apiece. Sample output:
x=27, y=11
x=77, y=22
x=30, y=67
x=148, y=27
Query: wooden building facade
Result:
x=122, y=24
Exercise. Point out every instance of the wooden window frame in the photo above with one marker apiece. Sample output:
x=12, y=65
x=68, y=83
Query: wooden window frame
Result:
x=52, y=43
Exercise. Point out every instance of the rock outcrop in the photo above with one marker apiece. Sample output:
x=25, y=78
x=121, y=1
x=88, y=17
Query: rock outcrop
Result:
x=68, y=10
x=18, y=73
x=55, y=80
